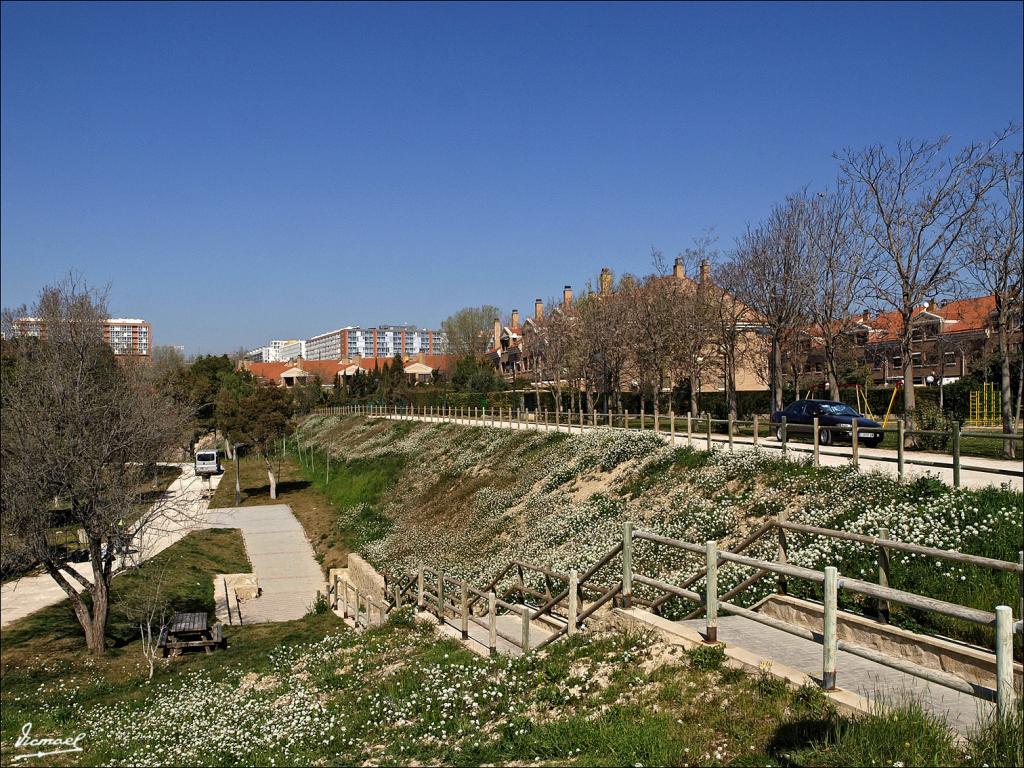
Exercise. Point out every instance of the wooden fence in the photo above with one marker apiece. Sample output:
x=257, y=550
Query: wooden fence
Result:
x=707, y=432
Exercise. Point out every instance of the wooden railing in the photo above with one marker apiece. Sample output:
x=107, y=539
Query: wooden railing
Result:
x=711, y=603
x=707, y=432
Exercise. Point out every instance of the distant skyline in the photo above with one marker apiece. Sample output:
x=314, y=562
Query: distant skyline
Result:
x=242, y=172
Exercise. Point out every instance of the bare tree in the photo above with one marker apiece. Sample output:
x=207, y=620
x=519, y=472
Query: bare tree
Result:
x=995, y=260
x=80, y=433
x=772, y=277
x=692, y=321
x=733, y=322
x=917, y=203
x=836, y=261
x=650, y=307
x=603, y=343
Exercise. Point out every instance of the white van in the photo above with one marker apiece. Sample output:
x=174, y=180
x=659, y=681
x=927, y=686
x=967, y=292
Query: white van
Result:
x=207, y=463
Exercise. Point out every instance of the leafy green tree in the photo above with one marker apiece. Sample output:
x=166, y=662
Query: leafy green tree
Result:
x=470, y=329
x=471, y=374
x=261, y=419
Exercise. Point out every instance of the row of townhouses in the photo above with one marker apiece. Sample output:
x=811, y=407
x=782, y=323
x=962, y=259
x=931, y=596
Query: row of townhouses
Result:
x=950, y=339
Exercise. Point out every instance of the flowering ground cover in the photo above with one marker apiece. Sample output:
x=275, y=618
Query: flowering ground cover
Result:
x=312, y=692
x=468, y=500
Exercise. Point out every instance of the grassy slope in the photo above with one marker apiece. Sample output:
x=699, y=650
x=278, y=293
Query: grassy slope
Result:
x=468, y=500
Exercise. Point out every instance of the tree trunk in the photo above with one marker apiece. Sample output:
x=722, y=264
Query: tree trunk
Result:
x=909, y=395
x=776, y=374
x=833, y=375
x=1004, y=383
x=693, y=394
x=273, y=479
x=228, y=453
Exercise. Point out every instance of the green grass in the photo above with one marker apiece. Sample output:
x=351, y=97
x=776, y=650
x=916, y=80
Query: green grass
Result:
x=355, y=488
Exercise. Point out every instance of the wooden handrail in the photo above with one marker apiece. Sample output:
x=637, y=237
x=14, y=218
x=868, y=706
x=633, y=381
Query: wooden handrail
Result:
x=946, y=554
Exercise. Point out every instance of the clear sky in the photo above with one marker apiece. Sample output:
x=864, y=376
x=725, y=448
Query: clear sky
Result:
x=245, y=172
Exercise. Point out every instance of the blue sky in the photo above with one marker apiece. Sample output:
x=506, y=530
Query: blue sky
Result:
x=241, y=172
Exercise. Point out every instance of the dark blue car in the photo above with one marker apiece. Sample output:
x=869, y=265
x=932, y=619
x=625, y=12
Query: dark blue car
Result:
x=834, y=422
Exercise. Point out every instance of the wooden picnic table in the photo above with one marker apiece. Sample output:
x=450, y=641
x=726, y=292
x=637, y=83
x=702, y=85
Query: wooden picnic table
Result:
x=191, y=630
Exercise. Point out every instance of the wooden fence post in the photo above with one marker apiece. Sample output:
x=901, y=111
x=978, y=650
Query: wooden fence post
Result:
x=830, y=636
x=855, y=444
x=440, y=597
x=709, y=431
x=730, y=428
x=625, y=419
x=344, y=601
x=641, y=413
x=956, y=454
x=784, y=436
x=492, y=623
x=783, y=552
x=672, y=427
x=1020, y=586
x=883, y=575
x=574, y=588
x=627, y=565
x=419, y=590
x=464, y=605
x=1005, y=694
x=900, y=426
x=817, y=442
x=524, y=611
x=711, y=592
x=756, y=430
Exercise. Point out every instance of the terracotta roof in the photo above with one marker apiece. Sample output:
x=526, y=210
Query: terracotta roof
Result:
x=962, y=316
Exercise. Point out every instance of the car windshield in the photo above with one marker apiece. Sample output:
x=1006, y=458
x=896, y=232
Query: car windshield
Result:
x=206, y=456
x=839, y=409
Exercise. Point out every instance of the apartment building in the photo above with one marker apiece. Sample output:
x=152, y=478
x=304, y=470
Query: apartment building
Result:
x=381, y=341
x=272, y=352
x=127, y=336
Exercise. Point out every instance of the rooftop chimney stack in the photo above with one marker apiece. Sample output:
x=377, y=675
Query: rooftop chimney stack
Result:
x=538, y=309
x=678, y=270
x=515, y=318
x=497, y=332
x=705, y=272
x=606, y=281
x=865, y=316
x=567, y=297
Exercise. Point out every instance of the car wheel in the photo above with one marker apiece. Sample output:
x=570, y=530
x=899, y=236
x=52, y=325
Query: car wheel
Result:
x=778, y=434
x=825, y=436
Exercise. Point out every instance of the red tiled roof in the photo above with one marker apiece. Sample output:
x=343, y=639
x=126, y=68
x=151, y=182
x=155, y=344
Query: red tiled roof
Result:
x=962, y=316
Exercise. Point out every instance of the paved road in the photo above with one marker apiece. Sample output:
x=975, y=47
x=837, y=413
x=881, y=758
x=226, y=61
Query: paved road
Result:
x=183, y=507
x=881, y=459
x=281, y=558
x=870, y=679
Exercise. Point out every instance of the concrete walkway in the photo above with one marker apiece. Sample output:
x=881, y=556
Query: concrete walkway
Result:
x=870, y=459
x=281, y=558
x=180, y=510
x=869, y=679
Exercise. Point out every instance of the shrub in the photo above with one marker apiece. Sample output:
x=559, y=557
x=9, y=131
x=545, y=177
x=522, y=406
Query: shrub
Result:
x=707, y=657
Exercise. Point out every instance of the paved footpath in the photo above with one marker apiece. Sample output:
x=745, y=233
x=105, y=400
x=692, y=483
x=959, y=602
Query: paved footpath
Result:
x=275, y=542
x=874, y=681
x=183, y=506
x=281, y=558
x=880, y=459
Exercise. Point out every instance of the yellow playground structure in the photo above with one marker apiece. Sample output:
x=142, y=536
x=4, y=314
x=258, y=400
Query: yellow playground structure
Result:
x=985, y=407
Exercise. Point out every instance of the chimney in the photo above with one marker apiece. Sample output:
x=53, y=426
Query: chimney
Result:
x=497, y=332
x=606, y=281
x=705, y=271
x=538, y=309
x=931, y=305
x=567, y=297
x=515, y=318
x=678, y=270
x=865, y=316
